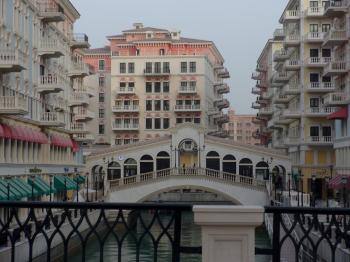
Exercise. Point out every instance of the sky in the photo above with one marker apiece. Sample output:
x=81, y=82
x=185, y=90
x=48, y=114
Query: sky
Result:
x=240, y=30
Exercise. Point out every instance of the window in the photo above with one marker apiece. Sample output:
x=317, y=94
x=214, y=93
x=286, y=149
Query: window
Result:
x=148, y=123
x=314, y=77
x=314, y=131
x=148, y=67
x=101, y=129
x=326, y=131
x=326, y=28
x=148, y=105
x=157, y=124
x=118, y=142
x=131, y=84
x=183, y=67
x=193, y=85
x=137, y=52
x=122, y=84
x=127, y=141
x=148, y=87
x=178, y=120
x=313, y=4
x=101, y=97
x=166, y=67
x=101, y=81
x=122, y=68
x=313, y=52
x=131, y=68
x=165, y=123
x=193, y=67
x=188, y=120
x=101, y=113
x=157, y=105
x=166, y=87
x=162, y=51
x=313, y=28
x=197, y=120
x=314, y=102
x=157, y=67
x=101, y=65
x=157, y=87
x=166, y=105
x=326, y=53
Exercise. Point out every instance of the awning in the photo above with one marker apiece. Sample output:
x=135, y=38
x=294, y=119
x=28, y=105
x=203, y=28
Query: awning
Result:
x=22, y=134
x=57, y=140
x=340, y=114
x=24, y=187
x=62, y=183
x=41, y=186
x=337, y=182
x=80, y=179
x=75, y=146
x=18, y=188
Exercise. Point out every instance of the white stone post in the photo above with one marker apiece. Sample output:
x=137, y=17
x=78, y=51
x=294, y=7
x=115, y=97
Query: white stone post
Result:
x=228, y=232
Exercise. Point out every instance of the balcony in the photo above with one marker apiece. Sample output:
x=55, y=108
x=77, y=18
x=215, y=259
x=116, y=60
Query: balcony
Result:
x=256, y=76
x=292, y=40
x=336, y=8
x=156, y=72
x=278, y=34
x=314, y=37
x=51, y=83
x=222, y=103
x=59, y=103
x=187, y=90
x=187, y=108
x=336, y=99
x=78, y=128
x=78, y=70
x=281, y=99
x=319, y=111
x=11, y=60
x=292, y=140
x=223, y=89
x=13, y=105
x=90, y=91
x=49, y=11
x=320, y=140
x=125, y=126
x=222, y=118
x=126, y=90
x=320, y=87
x=291, y=113
x=50, y=48
x=291, y=89
x=291, y=16
x=256, y=91
x=314, y=12
x=317, y=62
x=52, y=119
x=278, y=143
x=335, y=37
x=335, y=68
x=125, y=108
x=83, y=114
x=83, y=137
x=265, y=111
x=256, y=105
x=281, y=55
x=79, y=41
x=261, y=68
x=257, y=121
x=79, y=99
x=292, y=65
x=280, y=77
x=223, y=73
x=261, y=84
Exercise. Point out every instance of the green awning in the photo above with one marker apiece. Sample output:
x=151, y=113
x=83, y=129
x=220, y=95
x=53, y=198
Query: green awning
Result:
x=24, y=187
x=16, y=193
x=41, y=186
x=80, y=179
x=3, y=189
x=62, y=182
x=3, y=195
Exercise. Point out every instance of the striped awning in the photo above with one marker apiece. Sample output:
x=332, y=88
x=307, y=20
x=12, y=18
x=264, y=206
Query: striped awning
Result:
x=22, y=134
x=337, y=182
x=63, y=183
x=57, y=140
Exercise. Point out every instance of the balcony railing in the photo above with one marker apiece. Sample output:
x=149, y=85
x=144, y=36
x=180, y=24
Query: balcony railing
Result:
x=279, y=34
x=16, y=105
x=335, y=37
x=256, y=105
x=84, y=137
x=125, y=126
x=50, y=11
x=337, y=99
x=292, y=15
x=314, y=11
x=126, y=90
x=335, y=68
x=187, y=108
x=51, y=83
x=314, y=37
x=52, y=119
x=11, y=60
x=281, y=55
x=79, y=41
x=78, y=127
x=224, y=73
x=79, y=98
x=51, y=48
x=320, y=139
x=318, y=61
x=320, y=110
x=126, y=108
x=320, y=86
x=333, y=8
x=291, y=89
x=223, y=89
x=155, y=72
x=256, y=91
x=293, y=39
x=256, y=75
x=187, y=89
x=222, y=103
x=84, y=114
x=79, y=70
x=292, y=64
x=281, y=77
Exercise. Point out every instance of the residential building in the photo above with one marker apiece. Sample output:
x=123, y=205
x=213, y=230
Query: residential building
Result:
x=310, y=83
x=241, y=128
x=41, y=79
x=160, y=79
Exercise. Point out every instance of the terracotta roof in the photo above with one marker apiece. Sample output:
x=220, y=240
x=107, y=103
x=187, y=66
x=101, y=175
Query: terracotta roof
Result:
x=102, y=50
x=116, y=36
x=169, y=39
x=145, y=29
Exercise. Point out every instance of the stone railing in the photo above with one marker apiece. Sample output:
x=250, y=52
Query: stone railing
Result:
x=188, y=172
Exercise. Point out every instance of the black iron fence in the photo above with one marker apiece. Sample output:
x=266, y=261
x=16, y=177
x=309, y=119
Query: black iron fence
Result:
x=32, y=229
x=308, y=234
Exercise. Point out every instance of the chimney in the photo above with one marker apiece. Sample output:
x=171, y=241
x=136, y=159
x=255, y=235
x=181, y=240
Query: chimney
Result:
x=138, y=25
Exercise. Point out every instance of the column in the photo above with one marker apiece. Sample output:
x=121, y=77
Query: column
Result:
x=228, y=232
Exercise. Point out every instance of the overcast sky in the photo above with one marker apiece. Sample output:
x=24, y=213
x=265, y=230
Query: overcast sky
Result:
x=239, y=29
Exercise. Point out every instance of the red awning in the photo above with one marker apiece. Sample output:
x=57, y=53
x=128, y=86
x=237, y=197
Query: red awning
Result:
x=340, y=114
x=7, y=131
x=75, y=146
x=2, y=132
x=57, y=140
x=337, y=182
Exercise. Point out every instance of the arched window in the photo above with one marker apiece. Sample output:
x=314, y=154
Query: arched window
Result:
x=213, y=161
x=130, y=167
x=246, y=167
x=163, y=160
x=229, y=164
x=114, y=171
x=262, y=171
x=146, y=164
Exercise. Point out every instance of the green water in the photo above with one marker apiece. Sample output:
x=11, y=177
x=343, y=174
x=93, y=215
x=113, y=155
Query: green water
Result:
x=190, y=236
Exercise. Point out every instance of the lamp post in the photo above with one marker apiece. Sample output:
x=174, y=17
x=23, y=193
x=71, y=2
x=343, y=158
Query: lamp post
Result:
x=313, y=180
x=103, y=184
x=302, y=186
x=33, y=178
x=77, y=181
x=51, y=176
x=289, y=179
x=104, y=176
x=8, y=187
x=174, y=149
x=200, y=150
x=297, y=188
x=344, y=181
x=96, y=188
x=65, y=189
x=87, y=186
x=327, y=179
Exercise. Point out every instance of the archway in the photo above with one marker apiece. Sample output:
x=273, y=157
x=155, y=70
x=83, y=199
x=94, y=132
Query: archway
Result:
x=188, y=153
x=229, y=164
x=146, y=164
x=163, y=161
x=262, y=171
x=114, y=171
x=96, y=175
x=246, y=167
x=130, y=167
x=213, y=161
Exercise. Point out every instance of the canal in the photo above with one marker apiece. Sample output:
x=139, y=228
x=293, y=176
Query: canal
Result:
x=191, y=236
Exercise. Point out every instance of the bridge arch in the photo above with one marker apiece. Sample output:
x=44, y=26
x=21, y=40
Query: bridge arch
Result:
x=114, y=171
x=130, y=167
x=229, y=164
x=146, y=164
x=246, y=167
x=262, y=170
x=213, y=160
x=163, y=160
